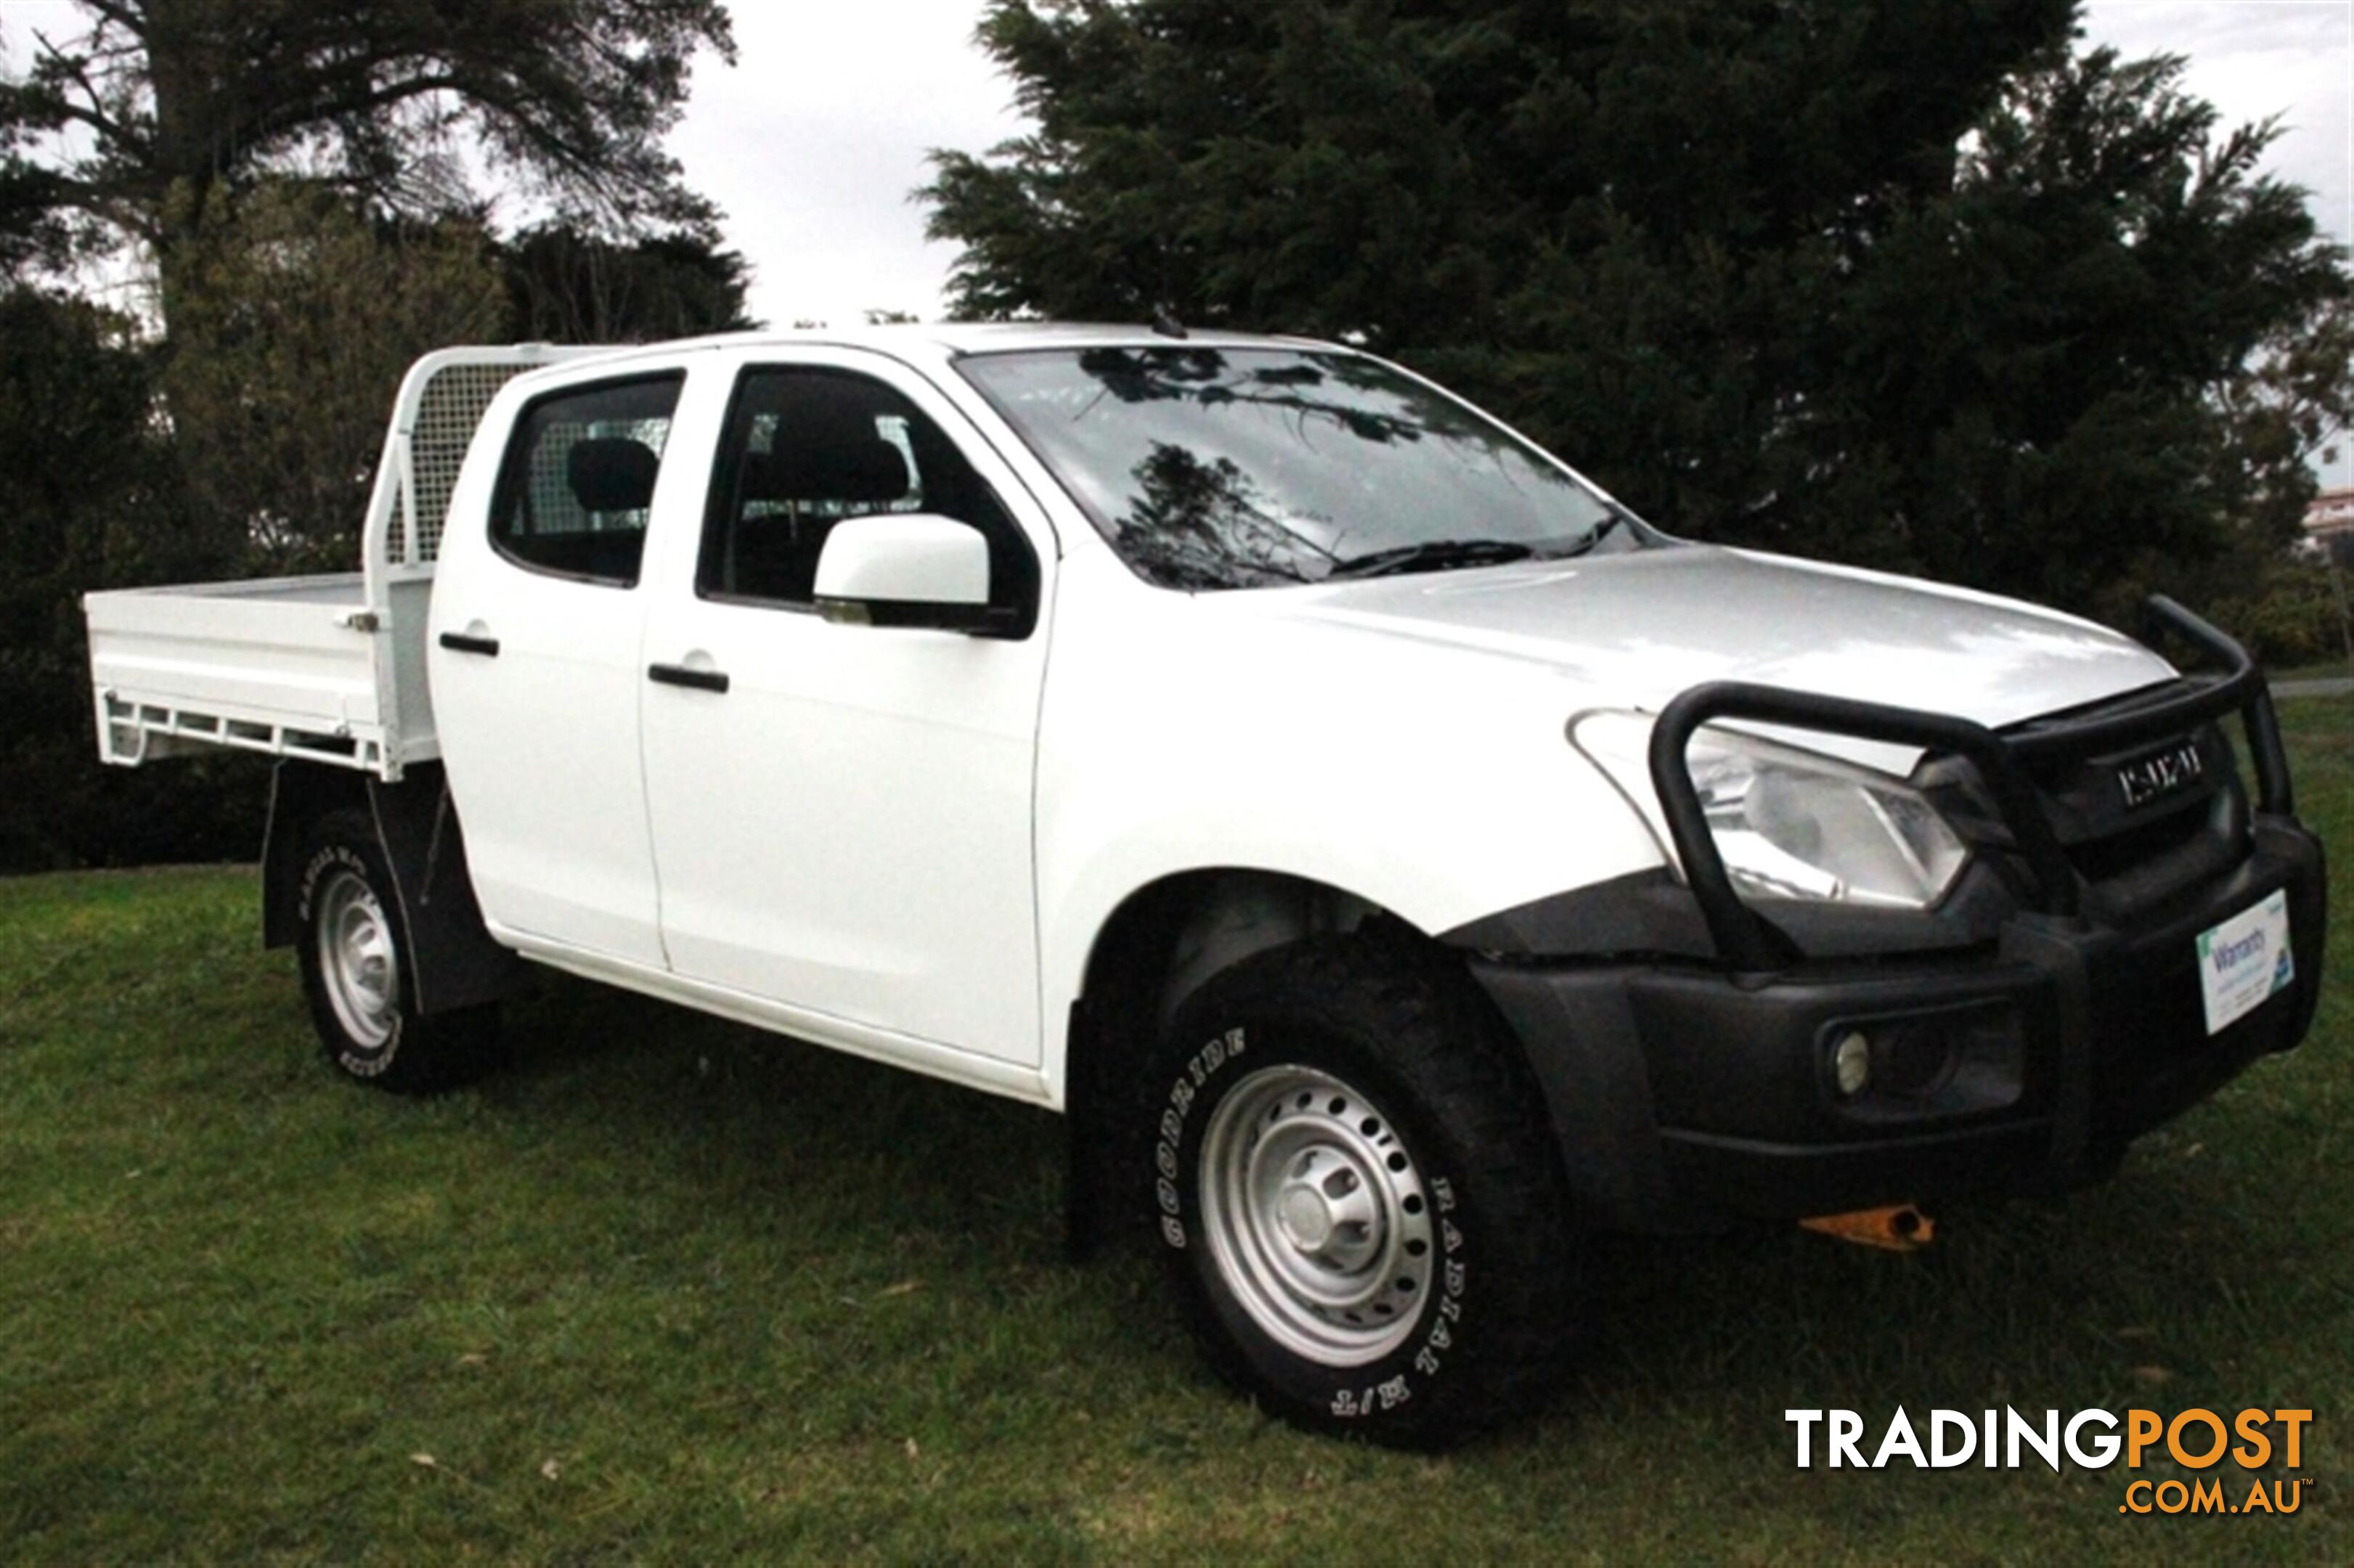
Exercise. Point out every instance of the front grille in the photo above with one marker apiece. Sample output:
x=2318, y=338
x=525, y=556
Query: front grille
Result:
x=2137, y=846
x=2132, y=853
x=2131, y=848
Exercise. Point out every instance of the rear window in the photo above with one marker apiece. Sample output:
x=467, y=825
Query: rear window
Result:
x=578, y=479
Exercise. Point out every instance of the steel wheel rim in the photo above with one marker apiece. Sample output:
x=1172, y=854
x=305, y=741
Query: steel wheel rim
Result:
x=1315, y=1211
x=357, y=960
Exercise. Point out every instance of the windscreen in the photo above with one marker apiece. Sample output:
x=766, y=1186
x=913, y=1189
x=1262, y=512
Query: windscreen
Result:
x=1224, y=467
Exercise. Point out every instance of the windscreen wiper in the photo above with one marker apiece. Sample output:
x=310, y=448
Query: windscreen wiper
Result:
x=1601, y=530
x=1431, y=556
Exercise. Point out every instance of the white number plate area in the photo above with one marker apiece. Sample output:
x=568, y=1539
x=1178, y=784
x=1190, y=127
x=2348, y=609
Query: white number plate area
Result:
x=2244, y=961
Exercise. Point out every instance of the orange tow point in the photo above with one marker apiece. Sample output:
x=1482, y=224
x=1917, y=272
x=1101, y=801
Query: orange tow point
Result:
x=1899, y=1227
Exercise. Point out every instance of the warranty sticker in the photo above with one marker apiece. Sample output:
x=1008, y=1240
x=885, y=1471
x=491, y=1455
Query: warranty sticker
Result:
x=2244, y=961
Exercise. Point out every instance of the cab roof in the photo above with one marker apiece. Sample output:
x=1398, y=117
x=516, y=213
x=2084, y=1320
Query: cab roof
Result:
x=951, y=340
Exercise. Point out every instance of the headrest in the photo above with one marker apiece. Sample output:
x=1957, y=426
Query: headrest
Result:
x=612, y=474
x=869, y=472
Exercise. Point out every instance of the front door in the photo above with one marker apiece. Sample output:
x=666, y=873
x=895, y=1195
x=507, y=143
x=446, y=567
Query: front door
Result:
x=842, y=814
x=537, y=613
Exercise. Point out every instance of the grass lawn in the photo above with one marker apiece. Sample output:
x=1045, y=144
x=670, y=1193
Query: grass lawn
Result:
x=672, y=1289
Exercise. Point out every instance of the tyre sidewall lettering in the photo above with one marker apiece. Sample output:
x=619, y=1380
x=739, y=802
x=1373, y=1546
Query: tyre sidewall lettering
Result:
x=314, y=874
x=1199, y=1071
x=1426, y=1353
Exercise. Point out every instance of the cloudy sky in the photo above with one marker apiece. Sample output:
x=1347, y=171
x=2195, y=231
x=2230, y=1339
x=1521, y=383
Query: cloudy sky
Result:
x=812, y=142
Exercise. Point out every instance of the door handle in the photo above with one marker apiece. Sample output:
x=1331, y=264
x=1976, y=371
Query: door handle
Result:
x=459, y=642
x=680, y=675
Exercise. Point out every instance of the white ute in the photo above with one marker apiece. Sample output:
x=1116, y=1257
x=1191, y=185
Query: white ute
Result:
x=1398, y=859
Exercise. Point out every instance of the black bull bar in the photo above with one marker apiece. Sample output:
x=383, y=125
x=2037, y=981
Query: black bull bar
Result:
x=1749, y=941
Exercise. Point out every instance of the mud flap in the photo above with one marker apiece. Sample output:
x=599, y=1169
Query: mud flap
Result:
x=457, y=965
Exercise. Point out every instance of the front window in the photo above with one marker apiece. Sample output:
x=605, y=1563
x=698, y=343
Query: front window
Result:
x=1221, y=468
x=808, y=446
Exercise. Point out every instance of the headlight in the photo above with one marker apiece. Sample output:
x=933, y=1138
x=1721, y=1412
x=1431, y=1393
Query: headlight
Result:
x=1792, y=824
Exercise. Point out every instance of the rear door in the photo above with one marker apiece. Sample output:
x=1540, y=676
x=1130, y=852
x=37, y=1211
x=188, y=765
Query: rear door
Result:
x=538, y=610
x=842, y=814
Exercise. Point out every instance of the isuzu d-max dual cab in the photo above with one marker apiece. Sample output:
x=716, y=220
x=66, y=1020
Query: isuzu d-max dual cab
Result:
x=1399, y=860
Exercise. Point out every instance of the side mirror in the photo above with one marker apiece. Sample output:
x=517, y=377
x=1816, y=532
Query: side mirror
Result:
x=905, y=569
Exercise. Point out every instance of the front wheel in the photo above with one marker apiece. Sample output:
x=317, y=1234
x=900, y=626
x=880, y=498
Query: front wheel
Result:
x=1362, y=1212
x=359, y=979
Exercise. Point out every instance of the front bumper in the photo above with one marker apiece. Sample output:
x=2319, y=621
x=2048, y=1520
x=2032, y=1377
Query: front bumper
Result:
x=1685, y=1093
x=1698, y=1083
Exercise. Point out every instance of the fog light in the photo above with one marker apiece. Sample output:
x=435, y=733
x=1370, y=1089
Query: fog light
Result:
x=1851, y=1064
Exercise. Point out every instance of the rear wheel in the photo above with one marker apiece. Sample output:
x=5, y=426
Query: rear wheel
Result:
x=1361, y=1210
x=358, y=976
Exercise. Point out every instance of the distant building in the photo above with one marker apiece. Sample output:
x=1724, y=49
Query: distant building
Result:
x=2329, y=528
x=2332, y=516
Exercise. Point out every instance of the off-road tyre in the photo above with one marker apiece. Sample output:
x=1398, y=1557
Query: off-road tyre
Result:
x=1356, y=1193
x=357, y=976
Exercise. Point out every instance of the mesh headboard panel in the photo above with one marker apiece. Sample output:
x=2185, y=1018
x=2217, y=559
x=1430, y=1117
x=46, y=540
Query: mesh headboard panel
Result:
x=447, y=412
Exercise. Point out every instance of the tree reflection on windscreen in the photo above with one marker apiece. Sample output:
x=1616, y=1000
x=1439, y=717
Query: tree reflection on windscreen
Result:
x=1214, y=468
